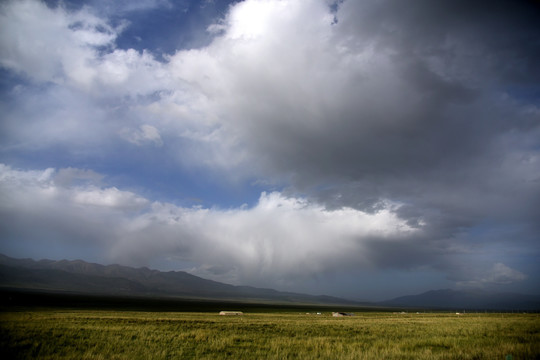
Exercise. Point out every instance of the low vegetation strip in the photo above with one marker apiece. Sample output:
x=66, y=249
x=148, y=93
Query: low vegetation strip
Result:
x=93, y=334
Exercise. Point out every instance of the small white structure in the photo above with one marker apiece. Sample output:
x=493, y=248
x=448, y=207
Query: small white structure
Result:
x=231, y=313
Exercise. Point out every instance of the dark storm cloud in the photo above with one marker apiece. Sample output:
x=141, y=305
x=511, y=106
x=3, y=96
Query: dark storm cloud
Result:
x=415, y=102
x=445, y=113
x=442, y=126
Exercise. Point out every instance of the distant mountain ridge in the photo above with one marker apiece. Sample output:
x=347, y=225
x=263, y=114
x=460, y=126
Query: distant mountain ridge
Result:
x=90, y=278
x=83, y=277
x=467, y=299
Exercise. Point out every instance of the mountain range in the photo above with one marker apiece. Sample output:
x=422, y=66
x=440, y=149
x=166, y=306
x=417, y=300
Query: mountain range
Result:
x=467, y=300
x=89, y=278
x=82, y=277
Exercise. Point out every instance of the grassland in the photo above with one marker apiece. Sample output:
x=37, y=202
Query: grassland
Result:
x=97, y=334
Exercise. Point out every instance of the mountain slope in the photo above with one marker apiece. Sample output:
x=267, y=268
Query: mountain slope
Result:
x=472, y=299
x=80, y=276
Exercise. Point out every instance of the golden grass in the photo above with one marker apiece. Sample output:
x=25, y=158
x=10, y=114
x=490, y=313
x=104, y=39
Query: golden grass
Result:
x=157, y=335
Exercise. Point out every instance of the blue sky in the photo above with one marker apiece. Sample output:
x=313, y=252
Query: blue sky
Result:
x=365, y=149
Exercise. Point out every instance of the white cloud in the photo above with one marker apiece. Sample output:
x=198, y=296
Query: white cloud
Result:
x=279, y=239
x=82, y=91
x=282, y=76
x=246, y=83
x=50, y=44
x=73, y=49
x=110, y=197
x=25, y=190
x=129, y=72
x=145, y=134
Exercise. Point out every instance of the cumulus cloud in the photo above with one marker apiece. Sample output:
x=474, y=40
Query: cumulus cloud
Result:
x=73, y=48
x=111, y=198
x=32, y=190
x=381, y=104
x=280, y=237
x=29, y=28
x=279, y=241
x=363, y=110
x=82, y=93
x=40, y=215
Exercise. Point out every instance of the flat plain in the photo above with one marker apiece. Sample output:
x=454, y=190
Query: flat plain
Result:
x=285, y=334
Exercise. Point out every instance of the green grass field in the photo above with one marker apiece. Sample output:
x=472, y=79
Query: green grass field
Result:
x=97, y=334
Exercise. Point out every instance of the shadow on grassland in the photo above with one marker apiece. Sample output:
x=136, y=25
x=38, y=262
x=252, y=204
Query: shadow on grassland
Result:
x=21, y=299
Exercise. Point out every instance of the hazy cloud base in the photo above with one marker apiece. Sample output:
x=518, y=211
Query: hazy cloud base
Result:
x=400, y=136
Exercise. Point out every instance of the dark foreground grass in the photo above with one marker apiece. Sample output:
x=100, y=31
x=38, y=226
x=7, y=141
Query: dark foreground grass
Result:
x=95, y=334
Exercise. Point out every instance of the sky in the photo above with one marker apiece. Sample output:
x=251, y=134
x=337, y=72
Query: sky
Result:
x=356, y=148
